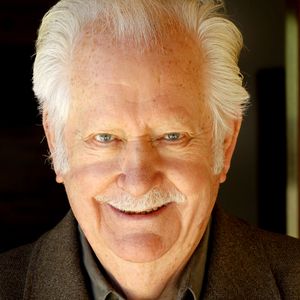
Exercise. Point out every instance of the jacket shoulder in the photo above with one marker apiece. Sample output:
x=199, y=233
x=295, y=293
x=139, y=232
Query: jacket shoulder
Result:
x=14, y=265
x=50, y=268
x=247, y=262
x=283, y=253
x=280, y=252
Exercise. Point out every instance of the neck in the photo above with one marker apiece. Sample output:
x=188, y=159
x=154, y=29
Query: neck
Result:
x=152, y=280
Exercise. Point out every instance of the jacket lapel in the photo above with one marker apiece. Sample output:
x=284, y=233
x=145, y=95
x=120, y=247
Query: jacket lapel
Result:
x=237, y=267
x=55, y=270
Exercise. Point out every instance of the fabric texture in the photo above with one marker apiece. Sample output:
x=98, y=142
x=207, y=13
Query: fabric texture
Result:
x=242, y=263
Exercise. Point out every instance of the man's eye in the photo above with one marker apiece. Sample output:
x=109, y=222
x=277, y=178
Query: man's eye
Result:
x=104, y=138
x=172, y=136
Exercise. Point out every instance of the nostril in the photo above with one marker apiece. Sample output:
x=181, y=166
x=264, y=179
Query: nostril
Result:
x=138, y=182
x=135, y=177
x=121, y=180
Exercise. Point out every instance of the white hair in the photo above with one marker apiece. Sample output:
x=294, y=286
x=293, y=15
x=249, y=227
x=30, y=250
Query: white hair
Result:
x=142, y=21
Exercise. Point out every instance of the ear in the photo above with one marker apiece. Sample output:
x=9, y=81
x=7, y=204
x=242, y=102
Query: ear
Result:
x=51, y=144
x=229, y=146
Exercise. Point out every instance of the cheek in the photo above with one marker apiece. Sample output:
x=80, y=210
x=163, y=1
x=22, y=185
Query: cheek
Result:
x=82, y=183
x=190, y=177
x=90, y=177
x=197, y=182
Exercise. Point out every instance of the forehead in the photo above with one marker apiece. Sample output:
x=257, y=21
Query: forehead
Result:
x=96, y=50
x=105, y=73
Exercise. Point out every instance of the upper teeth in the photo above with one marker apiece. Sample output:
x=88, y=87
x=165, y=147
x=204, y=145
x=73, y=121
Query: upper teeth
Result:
x=142, y=212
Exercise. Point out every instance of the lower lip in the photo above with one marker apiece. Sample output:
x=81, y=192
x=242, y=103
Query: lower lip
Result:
x=141, y=216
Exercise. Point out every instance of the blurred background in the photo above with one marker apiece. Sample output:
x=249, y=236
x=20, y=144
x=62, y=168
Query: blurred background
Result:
x=262, y=186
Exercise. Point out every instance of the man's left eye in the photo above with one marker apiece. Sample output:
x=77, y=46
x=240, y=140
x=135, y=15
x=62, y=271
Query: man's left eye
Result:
x=104, y=138
x=172, y=136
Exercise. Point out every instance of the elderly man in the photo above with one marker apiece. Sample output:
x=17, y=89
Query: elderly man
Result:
x=142, y=102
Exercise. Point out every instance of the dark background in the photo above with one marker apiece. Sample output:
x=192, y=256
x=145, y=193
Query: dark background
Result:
x=30, y=200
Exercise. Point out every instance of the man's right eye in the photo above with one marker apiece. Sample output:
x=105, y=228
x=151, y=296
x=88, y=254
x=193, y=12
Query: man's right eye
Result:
x=104, y=138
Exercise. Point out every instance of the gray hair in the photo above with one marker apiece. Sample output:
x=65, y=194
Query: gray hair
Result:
x=141, y=20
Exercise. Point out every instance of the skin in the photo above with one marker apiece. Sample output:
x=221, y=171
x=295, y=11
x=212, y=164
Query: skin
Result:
x=138, y=98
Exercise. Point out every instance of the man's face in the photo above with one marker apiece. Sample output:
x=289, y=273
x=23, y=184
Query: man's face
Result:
x=139, y=122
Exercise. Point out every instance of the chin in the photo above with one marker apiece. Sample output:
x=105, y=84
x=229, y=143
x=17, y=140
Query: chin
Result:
x=139, y=238
x=140, y=247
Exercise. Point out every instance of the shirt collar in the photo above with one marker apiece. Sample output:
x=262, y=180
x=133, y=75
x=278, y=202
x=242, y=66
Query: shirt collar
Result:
x=101, y=288
x=189, y=285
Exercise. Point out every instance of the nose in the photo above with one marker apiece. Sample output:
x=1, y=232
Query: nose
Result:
x=139, y=165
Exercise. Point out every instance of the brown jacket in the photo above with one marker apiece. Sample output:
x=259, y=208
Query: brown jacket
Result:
x=243, y=263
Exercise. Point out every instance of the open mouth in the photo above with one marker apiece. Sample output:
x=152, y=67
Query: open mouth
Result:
x=144, y=212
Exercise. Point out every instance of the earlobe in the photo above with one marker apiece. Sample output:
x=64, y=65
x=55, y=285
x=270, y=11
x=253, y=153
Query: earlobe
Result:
x=229, y=146
x=59, y=178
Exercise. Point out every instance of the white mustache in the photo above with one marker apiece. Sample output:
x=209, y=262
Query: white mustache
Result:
x=153, y=200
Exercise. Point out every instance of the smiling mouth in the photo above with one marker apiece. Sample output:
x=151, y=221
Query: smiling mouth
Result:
x=145, y=212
